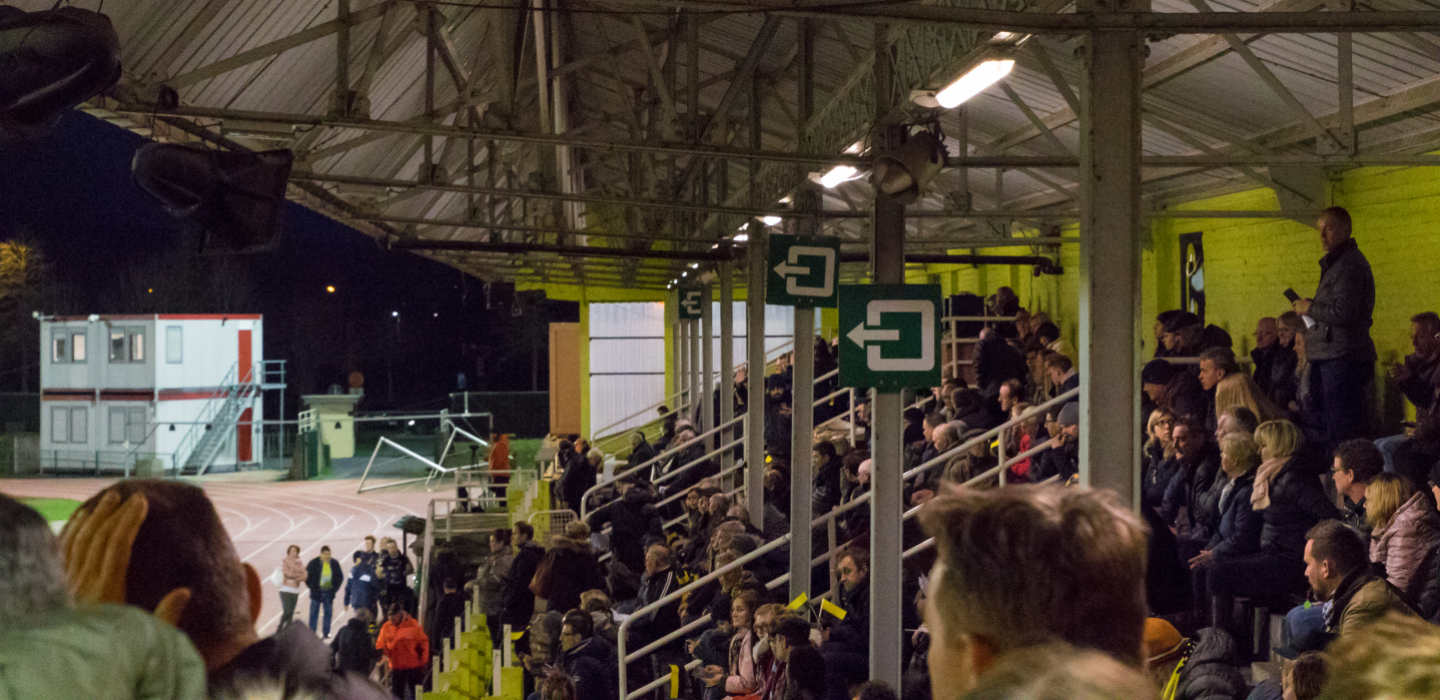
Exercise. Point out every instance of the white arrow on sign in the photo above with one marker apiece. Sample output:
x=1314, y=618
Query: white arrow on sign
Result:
x=692, y=303
x=792, y=284
x=862, y=334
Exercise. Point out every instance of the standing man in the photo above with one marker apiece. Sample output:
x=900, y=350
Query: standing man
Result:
x=517, y=602
x=323, y=576
x=1337, y=343
x=363, y=589
x=407, y=649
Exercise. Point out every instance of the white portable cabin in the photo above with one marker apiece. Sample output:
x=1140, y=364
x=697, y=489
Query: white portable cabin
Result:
x=181, y=388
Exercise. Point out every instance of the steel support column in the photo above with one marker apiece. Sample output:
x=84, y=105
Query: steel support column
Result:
x=682, y=358
x=1110, y=228
x=696, y=398
x=755, y=372
x=803, y=388
x=727, y=367
x=886, y=501
x=707, y=362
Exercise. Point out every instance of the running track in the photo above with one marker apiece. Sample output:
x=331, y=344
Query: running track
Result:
x=265, y=517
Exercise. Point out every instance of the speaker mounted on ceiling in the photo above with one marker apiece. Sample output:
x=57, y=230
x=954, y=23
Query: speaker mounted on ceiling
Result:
x=236, y=198
x=50, y=62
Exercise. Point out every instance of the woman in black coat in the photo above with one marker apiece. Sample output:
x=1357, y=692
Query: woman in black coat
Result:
x=1240, y=524
x=1290, y=501
x=574, y=569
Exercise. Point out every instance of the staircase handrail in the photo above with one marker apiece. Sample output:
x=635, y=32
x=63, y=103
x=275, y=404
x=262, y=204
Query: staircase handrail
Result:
x=698, y=439
x=198, y=428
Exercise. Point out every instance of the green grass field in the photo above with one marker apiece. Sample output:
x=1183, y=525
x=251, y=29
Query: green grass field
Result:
x=53, y=509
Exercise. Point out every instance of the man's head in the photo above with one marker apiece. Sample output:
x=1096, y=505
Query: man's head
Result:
x=1182, y=333
x=873, y=690
x=1235, y=419
x=933, y=420
x=1189, y=439
x=1047, y=332
x=369, y=543
x=595, y=458
x=32, y=577
x=1056, y=367
x=450, y=585
x=182, y=545
x=945, y=438
x=790, y=633
x=1304, y=678
x=1010, y=394
x=854, y=567
x=524, y=532
x=396, y=613
x=1289, y=325
x=1155, y=375
x=1022, y=322
x=1216, y=364
x=325, y=553
x=657, y=559
x=1265, y=332
x=998, y=585
x=1334, y=225
x=1425, y=332
x=1357, y=463
x=1069, y=420
x=1332, y=552
x=576, y=628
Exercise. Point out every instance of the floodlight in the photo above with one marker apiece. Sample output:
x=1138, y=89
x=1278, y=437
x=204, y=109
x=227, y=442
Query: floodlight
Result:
x=974, y=82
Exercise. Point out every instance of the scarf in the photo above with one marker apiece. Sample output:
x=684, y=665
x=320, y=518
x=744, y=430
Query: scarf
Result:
x=1260, y=497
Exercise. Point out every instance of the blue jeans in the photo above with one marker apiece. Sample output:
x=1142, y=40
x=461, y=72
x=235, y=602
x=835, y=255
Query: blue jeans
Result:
x=1388, y=446
x=1339, y=384
x=324, y=599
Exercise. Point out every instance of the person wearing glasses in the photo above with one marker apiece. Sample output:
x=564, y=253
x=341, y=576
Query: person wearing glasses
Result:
x=846, y=645
x=1357, y=463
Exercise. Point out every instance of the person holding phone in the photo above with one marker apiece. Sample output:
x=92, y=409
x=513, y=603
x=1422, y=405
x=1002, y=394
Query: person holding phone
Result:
x=1337, y=341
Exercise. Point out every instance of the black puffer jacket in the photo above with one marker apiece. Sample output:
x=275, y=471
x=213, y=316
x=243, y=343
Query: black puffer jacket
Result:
x=1297, y=503
x=1240, y=525
x=1213, y=669
x=632, y=519
x=1343, y=307
x=1429, y=607
x=1190, y=489
x=517, y=602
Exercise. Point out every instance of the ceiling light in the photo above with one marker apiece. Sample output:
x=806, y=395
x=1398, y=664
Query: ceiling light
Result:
x=741, y=237
x=974, y=82
x=771, y=220
x=856, y=148
x=694, y=265
x=837, y=175
x=786, y=199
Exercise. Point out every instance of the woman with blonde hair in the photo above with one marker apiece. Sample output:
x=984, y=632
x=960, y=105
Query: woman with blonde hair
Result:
x=1239, y=389
x=1406, y=531
x=1290, y=501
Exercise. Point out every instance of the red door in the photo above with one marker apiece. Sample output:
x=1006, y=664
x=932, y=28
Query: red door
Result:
x=245, y=357
x=243, y=432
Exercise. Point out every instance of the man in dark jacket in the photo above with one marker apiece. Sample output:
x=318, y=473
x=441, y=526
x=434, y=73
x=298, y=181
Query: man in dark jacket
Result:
x=660, y=580
x=354, y=649
x=1418, y=378
x=847, y=644
x=1208, y=667
x=1338, y=346
x=1188, y=503
x=1062, y=460
x=632, y=519
x=578, y=477
x=323, y=577
x=1273, y=361
x=450, y=606
x=516, y=600
x=996, y=362
x=587, y=659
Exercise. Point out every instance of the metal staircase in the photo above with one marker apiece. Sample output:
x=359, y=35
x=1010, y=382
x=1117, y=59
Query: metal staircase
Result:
x=217, y=422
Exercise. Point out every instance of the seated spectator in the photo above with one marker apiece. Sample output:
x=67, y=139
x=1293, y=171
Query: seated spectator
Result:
x=1011, y=392
x=996, y=362
x=1418, y=377
x=1238, y=534
x=742, y=677
x=633, y=520
x=873, y=690
x=1338, y=570
x=825, y=489
x=1406, y=532
x=972, y=462
x=1396, y=657
x=1290, y=501
x=1062, y=374
x=658, y=582
x=50, y=648
x=1188, y=505
x=1357, y=463
x=1159, y=449
x=847, y=641
x=804, y=665
x=1240, y=391
x=1187, y=336
x=1236, y=419
x=1215, y=364
x=182, y=565
x=1039, y=380
x=1023, y=437
x=997, y=587
x=972, y=411
x=1295, y=395
x=1273, y=361
x=588, y=660
x=1062, y=460
x=1430, y=598
x=1207, y=667
x=1048, y=336
x=1302, y=678
x=641, y=451
x=1059, y=671
x=1175, y=390
x=1158, y=328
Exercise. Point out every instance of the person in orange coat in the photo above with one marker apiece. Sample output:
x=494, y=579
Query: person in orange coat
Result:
x=407, y=650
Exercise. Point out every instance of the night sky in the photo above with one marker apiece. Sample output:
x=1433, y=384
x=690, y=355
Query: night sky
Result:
x=70, y=193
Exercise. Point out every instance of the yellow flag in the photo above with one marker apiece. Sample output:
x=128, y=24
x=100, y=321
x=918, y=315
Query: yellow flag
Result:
x=799, y=601
x=833, y=609
x=516, y=635
x=674, y=681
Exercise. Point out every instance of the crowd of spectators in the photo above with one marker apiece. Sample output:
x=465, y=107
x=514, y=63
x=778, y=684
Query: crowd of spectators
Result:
x=1257, y=491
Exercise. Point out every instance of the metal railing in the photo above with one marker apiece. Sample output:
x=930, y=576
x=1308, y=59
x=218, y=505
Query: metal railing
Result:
x=585, y=510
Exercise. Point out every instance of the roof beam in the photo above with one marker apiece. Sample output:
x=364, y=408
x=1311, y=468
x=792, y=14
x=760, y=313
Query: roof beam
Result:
x=279, y=46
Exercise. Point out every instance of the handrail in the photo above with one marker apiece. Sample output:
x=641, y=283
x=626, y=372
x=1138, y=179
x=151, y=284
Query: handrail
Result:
x=1195, y=360
x=974, y=319
x=600, y=433
x=584, y=511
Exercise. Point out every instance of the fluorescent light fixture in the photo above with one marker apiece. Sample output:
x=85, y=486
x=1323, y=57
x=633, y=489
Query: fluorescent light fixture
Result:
x=694, y=265
x=974, y=82
x=837, y=175
x=771, y=220
x=856, y=148
x=786, y=199
x=741, y=237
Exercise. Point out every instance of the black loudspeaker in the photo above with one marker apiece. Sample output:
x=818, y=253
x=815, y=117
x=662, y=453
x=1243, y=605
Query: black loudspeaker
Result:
x=51, y=61
x=237, y=199
x=967, y=304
